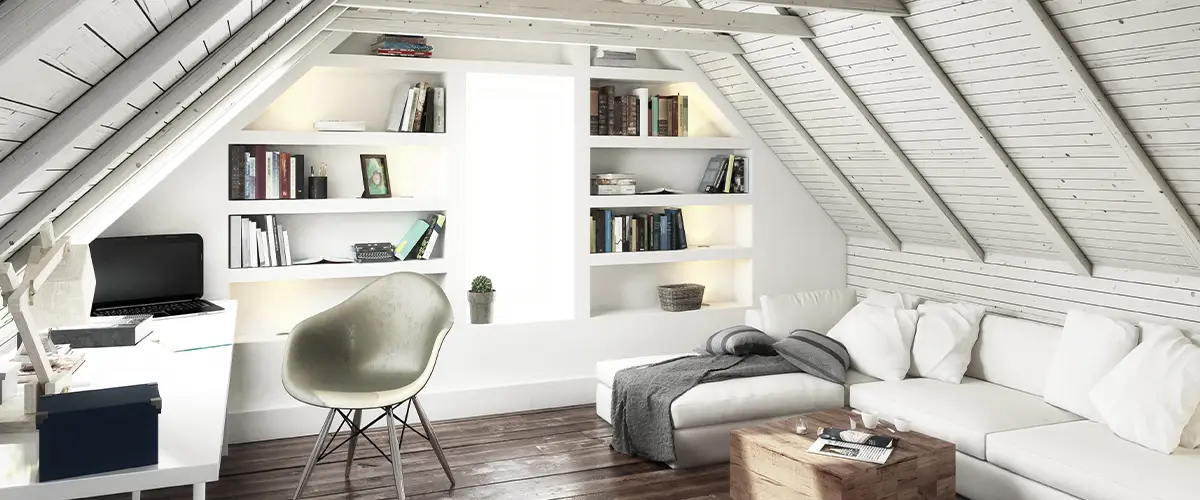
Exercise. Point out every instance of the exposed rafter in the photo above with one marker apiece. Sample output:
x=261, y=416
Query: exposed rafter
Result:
x=808, y=49
x=1060, y=52
x=153, y=161
x=23, y=21
x=495, y=28
x=882, y=7
x=1005, y=167
x=23, y=225
x=595, y=11
x=86, y=113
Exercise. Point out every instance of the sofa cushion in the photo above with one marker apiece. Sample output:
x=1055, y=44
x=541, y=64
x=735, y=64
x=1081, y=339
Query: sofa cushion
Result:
x=878, y=338
x=737, y=400
x=817, y=310
x=1014, y=353
x=1091, y=345
x=1086, y=460
x=963, y=414
x=740, y=340
x=816, y=355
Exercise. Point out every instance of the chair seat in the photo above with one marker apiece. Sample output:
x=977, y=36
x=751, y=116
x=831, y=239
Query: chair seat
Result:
x=1085, y=459
x=964, y=414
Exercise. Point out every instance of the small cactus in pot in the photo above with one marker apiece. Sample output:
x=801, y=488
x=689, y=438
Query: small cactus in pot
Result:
x=481, y=296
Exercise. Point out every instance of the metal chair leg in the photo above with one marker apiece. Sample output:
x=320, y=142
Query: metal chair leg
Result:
x=354, y=432
x=395, y=446
x=433, y=440
x=312, y=459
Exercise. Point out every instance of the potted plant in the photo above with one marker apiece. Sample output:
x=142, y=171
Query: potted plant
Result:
x=481, y=297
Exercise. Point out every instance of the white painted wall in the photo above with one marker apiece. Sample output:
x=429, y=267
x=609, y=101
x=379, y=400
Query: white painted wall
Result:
x=494, y=368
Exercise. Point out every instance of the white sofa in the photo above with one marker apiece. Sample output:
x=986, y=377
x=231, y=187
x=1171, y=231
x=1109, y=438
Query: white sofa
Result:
x=1011, y=444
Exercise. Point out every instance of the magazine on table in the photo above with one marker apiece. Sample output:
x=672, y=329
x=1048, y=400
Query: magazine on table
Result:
x=853, y=451
x=857, y=437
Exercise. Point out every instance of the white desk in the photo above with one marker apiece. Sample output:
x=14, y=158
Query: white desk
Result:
x=190, y=360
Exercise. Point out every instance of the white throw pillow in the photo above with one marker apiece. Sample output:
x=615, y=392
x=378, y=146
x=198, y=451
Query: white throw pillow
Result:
x=879, y=339
x=817, y=310
x=946, y=334
x=1152, y=394
x=894, y=300
x=1091, y=345
x=1191, y=433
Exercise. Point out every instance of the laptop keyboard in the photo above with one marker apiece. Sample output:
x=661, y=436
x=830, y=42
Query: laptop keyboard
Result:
x=159, y=310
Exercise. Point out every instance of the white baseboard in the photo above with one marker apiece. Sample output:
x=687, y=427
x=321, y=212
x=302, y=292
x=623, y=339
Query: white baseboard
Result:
x=304, y=420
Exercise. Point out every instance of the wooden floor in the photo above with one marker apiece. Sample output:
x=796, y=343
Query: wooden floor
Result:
x=548, y=454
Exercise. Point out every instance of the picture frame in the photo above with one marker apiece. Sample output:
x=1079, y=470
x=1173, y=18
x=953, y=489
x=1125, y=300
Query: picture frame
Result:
x=377, y=183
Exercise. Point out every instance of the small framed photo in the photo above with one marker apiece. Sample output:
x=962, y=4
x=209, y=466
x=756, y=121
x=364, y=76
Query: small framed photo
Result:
x=376, y=182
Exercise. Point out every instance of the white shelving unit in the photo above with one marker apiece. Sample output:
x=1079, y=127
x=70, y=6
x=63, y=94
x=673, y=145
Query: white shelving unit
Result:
x=335, y=271
x=624, y=142
x=314, y=138
x=669, y=256
x=707, y=308
x=668, y=200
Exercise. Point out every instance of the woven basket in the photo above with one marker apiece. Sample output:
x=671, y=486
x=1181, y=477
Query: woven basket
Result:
x=680, y=297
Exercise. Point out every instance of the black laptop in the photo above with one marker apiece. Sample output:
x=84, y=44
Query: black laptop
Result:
x=160, y=274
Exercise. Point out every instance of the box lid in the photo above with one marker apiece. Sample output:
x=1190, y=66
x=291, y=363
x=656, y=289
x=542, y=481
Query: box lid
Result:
x=99, y=398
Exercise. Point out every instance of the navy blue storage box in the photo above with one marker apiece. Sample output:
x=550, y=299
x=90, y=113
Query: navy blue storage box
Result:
x=104, y=430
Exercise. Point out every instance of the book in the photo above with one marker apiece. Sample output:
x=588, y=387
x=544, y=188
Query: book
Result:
x=594, y=111
x=678, y=236
x=418, y=108
x=411, y=239
x=438, y=224
x=285, y=176
x=396, y=116
x=409, y=105
x=427, y=113
x=237, y=172
x=439, y=110
x=643, y=111
x=235, y=241
x=683, y=116
x=711, y=173
x=249, y=245
x=105, y=331
x=260, y=173
x=728, y=172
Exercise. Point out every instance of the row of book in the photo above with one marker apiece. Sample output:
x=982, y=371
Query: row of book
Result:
x=637, y=114
x=258, y=241
x=637, y=232
x=421, y=238
x=724, y=174
x=402, y=46
x=419, y=108
x=258, y=174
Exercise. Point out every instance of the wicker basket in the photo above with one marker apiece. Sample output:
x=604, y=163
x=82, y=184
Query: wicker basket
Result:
x=680, y=297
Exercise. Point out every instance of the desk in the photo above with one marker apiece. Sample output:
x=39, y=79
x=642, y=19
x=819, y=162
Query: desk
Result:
x=190, y=360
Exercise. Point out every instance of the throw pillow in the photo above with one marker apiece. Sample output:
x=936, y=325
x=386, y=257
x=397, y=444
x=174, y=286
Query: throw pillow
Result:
x=817, y=311
x=1151, y=395
x=946, y=334
x=1091, y=345
x=816, y=355
x=739, y=340
x=894, y=300
x=1191, y=433
x=879, y=339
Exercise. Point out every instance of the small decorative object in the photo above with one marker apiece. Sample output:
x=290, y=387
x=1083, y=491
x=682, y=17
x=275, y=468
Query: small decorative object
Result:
x=606, y=184
x=318, y=183
x=870, y=420
x=376, y=182
x=902, y=425
x=481, y=297
x=680, y=297
x=801, y=427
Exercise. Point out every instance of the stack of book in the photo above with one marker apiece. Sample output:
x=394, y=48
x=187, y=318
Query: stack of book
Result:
x=725, y=174
x=637, y=232
x=419, y=108
x=258, y=174
x=402, y=46
x=258, y=241
x=638, y=113
x=418, y=243
x=614, y=58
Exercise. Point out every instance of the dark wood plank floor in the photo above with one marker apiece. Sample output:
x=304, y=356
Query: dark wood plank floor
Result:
x=550, y=454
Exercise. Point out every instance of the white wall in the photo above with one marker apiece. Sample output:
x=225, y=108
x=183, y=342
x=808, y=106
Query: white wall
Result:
x=495, y=368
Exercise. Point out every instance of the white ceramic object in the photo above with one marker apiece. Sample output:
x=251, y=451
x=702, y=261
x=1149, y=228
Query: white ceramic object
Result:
x=902, y=425
x=870, y=420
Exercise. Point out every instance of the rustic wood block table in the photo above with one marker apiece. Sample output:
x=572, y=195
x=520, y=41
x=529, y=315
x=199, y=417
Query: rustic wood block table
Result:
x=771, y=461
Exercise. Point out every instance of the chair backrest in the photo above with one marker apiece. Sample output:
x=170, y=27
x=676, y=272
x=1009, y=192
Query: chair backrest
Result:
x=394, y=325
x=1014, y=353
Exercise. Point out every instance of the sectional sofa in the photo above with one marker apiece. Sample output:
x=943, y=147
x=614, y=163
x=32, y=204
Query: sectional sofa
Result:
x=1011, y=444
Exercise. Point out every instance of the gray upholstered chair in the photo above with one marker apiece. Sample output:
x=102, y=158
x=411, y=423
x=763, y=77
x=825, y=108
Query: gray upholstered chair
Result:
x=375, y=350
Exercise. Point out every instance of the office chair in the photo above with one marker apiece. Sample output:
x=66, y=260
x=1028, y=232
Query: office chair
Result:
x=376, y=349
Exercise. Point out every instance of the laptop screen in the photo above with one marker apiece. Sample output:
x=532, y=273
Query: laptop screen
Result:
x=136, y=270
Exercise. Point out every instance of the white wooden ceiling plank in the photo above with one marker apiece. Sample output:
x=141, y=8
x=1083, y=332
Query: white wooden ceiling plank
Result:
x=164, y=12
x=280, y=53
x=18, y=122
x=215, y=36
x=1109, y=53
x=122, y=26
x=16, y=231
x=510, y=29
x=877, y=7
x=81, y=54
x=1128, y=26
x=23, y=22
x=592, y=11
x=39, y=86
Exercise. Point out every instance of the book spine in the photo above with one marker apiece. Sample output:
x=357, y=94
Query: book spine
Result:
x=237, y=172
x=631, y=116
x=293, y=178
x=397, y=113
x=660, y=109
x=610, y=110
x=273, y=177
x=260, y=172
x=409, y=104
x=608, y=225
x=680, y=232
x=601, y=111
x=285, y=177
x=667, y=235
x=427, y=113
x=439, y=110
x=653, y=116
x=643, y=111
x=673, y=116
x=617, y=127
x=683, y=116
x=418, y=108
x=594, y=111
x=235, y=242
x=301, y=177
x=728, y=184
x=248, y=176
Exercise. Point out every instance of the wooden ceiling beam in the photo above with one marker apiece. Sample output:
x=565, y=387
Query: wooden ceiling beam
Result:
x=23, y=21
x=86, y=113
x=880, y=7
x=519, y=30
x=595, y=11
x=88, y=217
x=1063, y=56
x=924, y=63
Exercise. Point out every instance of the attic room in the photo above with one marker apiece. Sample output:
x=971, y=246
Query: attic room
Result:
x=600, y=249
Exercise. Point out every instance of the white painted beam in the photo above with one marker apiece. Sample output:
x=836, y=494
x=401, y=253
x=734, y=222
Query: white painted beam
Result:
x=23, y=21
x=924, y=63
x=176, y=142
x=86, y=113
x=595, y=11
x=494, y=28
x=1059, y=50
x=113, y=150
x=881, y=7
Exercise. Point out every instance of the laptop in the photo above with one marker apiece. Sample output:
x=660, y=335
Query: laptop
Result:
x=161, y=275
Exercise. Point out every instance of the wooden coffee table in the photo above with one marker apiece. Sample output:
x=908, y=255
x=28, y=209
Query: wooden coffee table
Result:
x=771, y=461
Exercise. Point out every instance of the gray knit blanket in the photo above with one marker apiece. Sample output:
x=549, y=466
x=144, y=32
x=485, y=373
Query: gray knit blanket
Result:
x=642, y=397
